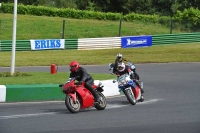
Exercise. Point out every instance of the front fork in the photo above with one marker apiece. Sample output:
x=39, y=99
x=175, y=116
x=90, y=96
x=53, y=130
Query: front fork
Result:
x=73, y=95
x=129, y=88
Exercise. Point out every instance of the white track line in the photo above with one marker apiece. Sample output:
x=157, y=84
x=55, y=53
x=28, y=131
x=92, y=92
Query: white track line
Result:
x=18, y=103
x=26, y=115
x=109, y=106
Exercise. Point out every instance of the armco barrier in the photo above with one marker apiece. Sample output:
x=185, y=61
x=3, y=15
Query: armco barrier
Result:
x=106, y=43
x=44, y=92
x=24, y=45
x=163, y=39
x=99, y=43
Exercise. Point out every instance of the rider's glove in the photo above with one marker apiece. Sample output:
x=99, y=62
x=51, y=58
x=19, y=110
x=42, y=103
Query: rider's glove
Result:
x=79, y=82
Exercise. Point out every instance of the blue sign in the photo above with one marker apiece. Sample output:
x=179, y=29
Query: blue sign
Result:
x=136, y=41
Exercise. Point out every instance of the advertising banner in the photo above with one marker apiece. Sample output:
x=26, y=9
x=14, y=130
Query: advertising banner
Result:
x=47, y=44
x=136, y=41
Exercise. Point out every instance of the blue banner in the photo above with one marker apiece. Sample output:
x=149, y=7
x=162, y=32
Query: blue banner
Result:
x=136, y=41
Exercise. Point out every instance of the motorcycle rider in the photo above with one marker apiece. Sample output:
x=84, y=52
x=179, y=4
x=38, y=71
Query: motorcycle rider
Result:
x=119, y=59
x=83, y=76
x=123, y=69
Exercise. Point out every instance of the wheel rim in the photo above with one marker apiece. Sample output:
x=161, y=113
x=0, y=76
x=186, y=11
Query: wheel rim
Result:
x=103, y=101
x=133, y=97
x=75, y=105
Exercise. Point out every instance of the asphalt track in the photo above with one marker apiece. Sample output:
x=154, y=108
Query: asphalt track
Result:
x=171, y=105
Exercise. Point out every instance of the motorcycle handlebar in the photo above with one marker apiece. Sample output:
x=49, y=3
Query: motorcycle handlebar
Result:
x=61, y=85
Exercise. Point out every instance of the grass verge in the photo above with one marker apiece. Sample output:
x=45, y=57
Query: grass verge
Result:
x=47, y=78
x=154, y=54
x=43, y=27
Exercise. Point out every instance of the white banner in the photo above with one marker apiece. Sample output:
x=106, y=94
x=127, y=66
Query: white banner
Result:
x=47, y=44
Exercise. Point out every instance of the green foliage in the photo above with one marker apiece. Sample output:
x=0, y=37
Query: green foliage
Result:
x=60, y=12
x=15, y=74
x=141, y=17
x=191, y=17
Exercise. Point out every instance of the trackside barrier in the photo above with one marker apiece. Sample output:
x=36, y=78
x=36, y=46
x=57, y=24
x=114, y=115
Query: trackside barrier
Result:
x=45, y=92
x=2, y=93
x=106, y=43
x=99, y=43
x=165, y=39
x=25, y=45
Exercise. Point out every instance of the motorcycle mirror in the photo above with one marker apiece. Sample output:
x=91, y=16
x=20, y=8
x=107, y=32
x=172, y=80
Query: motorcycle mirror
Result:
x=61, y=85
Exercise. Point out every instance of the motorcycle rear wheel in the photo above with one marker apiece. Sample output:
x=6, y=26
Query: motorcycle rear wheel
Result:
x=102, y=104
x=130, y=96
x=72, y=106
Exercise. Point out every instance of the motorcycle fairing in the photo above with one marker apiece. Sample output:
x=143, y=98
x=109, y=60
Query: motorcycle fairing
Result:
x=130, y=83
x=73, y=95
x=135, y=89
x=86, y=96
x=137, y=92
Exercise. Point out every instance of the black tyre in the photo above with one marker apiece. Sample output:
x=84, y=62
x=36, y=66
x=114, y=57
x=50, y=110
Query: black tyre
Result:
x=130, y=96
x=141, y=98
x=72, y=106
x=102, y=104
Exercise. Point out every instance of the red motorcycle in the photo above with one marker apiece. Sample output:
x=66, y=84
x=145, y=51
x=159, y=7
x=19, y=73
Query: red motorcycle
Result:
x=78, y=97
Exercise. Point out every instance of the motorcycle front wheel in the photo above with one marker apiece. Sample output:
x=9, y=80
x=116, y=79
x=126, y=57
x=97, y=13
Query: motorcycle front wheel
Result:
x=72, y=106
x=130, y=96
x=102, y=104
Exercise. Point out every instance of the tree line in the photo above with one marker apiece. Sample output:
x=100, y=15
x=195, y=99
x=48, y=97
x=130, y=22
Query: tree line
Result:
x=158, y=7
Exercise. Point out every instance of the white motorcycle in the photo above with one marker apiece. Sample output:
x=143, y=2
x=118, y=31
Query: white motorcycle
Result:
x=130, y=88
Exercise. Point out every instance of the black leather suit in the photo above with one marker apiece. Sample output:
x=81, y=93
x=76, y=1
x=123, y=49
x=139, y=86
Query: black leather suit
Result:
x=87, y=78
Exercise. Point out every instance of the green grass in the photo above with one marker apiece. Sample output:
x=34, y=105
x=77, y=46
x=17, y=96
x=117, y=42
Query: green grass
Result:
x=154, y=54
x=42, y=27
x=47, y=78
x=35, y=27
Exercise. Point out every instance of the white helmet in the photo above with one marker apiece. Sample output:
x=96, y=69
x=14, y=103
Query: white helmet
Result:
x=119, y=56
x=121, y=67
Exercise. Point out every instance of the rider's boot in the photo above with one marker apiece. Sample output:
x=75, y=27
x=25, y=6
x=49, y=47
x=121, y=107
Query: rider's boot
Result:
x=137, y=82
x=95, y=94
x=142, y=90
